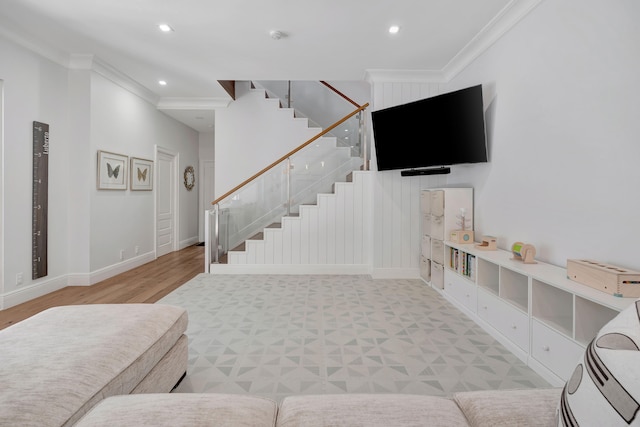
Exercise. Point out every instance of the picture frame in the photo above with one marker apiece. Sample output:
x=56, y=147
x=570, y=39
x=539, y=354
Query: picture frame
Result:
x=112, y=171
x=141, y=174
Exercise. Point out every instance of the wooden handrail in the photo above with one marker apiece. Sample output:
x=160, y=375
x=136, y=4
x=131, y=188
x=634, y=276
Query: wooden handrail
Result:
x=290, y=153
x=340, y=93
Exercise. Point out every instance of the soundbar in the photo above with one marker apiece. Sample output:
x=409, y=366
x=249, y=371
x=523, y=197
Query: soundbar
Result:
x=433, y=171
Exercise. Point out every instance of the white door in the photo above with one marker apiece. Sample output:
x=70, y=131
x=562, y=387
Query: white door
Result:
x=166, y=196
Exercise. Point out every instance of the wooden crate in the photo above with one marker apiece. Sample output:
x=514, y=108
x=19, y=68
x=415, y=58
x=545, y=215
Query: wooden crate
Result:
x=617, y=281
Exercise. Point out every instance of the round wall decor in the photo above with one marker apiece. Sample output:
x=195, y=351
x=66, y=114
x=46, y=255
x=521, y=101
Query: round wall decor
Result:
x=189, y=177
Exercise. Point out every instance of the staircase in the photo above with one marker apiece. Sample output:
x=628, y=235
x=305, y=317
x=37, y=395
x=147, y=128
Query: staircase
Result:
x=333, y=232
x=328, y=222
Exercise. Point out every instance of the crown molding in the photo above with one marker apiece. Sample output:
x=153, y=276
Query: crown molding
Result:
x=36, y=46
x=80, y=62
x=504, y=21
x=123, y=80
x=169, y=103
x=382, y=76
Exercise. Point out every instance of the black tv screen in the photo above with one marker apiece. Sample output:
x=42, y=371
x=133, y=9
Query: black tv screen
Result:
x=443, y=130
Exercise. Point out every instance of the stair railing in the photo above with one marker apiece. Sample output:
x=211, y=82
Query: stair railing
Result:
x=218, y=222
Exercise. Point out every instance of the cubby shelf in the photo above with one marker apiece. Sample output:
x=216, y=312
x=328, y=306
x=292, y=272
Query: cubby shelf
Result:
x=441, y=210
x=533, y=309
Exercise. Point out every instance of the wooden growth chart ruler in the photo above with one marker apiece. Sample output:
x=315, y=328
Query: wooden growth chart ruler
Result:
x=40, y=199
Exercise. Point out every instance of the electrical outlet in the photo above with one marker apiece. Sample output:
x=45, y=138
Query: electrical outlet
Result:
x=19, y=279
x=137, y=250
x=121, y=254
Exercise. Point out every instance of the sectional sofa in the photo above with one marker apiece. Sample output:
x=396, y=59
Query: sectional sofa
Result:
x=603, y=390
x=485, y=408
x=49, y=378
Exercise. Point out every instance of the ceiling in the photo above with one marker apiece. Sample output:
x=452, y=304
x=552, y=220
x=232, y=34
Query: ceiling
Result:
x=230, y=40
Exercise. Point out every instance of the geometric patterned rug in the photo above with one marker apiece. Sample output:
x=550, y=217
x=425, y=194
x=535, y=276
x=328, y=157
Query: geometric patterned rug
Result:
x=278, y=335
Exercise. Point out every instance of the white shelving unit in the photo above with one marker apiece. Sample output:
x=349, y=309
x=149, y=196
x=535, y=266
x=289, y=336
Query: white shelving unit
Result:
x=534, y=310
x=440, y=209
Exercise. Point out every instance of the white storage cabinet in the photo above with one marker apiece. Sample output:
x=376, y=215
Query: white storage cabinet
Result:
x=441, y=209
x=539, y=314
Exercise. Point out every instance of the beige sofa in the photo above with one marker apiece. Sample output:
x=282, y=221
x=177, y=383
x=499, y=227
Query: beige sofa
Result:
x=56, y=365
x=50, y=377
x=481, y=408
x=603, y=390
x=114, y=364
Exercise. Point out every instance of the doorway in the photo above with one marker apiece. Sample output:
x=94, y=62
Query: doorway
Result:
x=166, y=201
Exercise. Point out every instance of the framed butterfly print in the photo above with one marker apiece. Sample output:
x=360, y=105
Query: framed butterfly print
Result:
x=141, y=174
x=112, y=171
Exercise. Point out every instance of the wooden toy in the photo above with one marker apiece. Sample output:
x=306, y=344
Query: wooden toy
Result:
x=489, y=243
x=461, y=236
x=617, y=281
x=523, y=252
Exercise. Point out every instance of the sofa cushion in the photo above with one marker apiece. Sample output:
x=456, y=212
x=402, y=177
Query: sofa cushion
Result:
x=353, y=410
x=495, y=408
x=60, y=362
x=182, y=409
x=604, y=388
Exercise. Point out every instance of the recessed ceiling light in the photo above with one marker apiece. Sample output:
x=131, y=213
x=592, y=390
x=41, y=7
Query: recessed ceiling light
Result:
x=165, y=28
x=394, y=29
x=162, y=82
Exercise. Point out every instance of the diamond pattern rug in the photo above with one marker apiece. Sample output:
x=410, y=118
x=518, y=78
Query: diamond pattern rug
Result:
x=277, y=335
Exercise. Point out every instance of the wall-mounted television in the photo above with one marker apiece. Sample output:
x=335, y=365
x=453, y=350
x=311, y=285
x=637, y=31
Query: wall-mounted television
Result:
x=443, y=130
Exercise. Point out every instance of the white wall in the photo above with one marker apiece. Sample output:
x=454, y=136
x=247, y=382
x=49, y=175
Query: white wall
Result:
x=396, y=209
x=126, y=124
x=564, y=154
x=87, y=228
x=1, y=185
x=563, y=147
x=206, y=154
x=249, y=136
x=35, y=89
x=79, y=215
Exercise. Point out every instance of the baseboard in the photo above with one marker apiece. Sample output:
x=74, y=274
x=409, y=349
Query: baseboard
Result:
x=396, y=273
x=188, y=242
x=545, y=373
x=35, y=290
x=121, y=267
x=290, y=269
x=376, y=273
x=46, y=286
x=79, y=279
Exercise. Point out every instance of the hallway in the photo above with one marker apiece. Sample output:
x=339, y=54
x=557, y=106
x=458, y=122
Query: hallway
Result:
x=145, y=284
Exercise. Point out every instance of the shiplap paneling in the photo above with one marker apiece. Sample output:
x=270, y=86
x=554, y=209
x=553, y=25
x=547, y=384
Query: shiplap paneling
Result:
x=328, y=233
x=333, y=232
x=396, y=223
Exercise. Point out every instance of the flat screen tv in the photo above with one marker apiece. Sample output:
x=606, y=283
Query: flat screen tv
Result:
x=440, y=131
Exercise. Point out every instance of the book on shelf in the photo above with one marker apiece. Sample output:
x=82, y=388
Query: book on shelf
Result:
x=462, y=263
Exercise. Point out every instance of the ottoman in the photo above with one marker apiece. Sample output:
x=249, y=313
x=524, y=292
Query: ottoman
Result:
x=57, y=364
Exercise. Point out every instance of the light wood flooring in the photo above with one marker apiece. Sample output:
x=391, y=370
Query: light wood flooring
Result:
x=145, y=284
